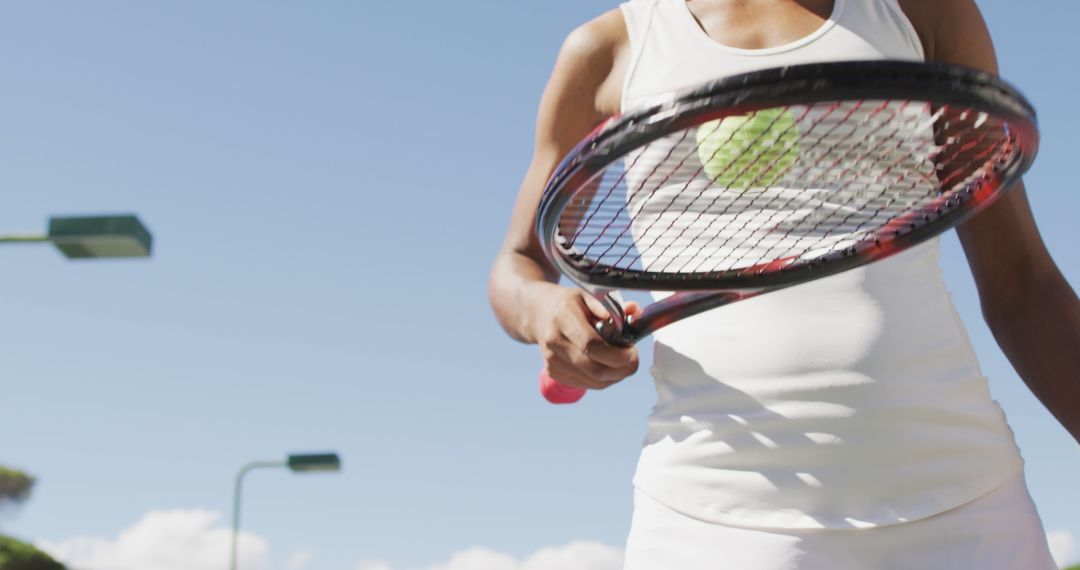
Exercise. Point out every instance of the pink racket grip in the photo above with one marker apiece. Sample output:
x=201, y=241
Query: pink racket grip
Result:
x=557, y=393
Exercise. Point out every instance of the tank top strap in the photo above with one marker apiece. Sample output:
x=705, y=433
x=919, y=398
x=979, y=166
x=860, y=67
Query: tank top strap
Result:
x=638, y=15
x=887, y=18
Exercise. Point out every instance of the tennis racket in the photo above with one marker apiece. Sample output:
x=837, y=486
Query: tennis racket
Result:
x=765, y=180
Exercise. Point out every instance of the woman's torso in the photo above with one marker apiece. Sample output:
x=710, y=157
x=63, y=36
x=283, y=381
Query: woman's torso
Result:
x=855, y=400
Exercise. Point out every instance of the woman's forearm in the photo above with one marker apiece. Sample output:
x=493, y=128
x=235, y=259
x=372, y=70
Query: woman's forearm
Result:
x=515, y=279
x=1038, y=329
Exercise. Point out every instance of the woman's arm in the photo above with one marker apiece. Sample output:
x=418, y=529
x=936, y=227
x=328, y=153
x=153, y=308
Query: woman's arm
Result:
x=1030, y=308
x=583, y=90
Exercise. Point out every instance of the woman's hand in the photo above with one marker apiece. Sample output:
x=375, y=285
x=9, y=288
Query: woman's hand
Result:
x=564, y=326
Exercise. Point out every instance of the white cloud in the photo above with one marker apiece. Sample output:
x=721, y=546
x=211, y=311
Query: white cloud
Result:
x=373, y=565
x=299, y=560
x=479, y=559
x=576, y=556
x=197, y=539
x=1061, y=546
x=573, y=556
x=162, y=540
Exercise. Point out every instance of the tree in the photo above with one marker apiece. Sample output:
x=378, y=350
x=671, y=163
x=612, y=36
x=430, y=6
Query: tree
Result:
x=15, y=487
x=15, y=555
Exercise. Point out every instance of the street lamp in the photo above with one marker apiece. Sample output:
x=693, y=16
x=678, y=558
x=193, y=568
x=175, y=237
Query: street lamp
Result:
x=298, y=463
x=83, y=237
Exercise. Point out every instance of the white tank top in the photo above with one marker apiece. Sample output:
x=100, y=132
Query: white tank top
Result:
x=852, y=401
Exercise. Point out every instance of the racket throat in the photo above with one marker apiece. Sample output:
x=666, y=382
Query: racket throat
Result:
x=680, y=306
x=615, y=328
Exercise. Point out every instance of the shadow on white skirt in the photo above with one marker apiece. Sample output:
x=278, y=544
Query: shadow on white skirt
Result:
x=998, y=531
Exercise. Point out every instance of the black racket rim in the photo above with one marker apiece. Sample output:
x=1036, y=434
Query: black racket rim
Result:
x=937, y=83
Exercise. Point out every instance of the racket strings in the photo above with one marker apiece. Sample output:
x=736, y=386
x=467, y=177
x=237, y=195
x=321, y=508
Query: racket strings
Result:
x=856, y=214
x=598, y=239
x=653, y=187
x=979, y=150
x=781, y=185
x=745, y=168
x=771, y=205
x=625, y=227
x=731, y=233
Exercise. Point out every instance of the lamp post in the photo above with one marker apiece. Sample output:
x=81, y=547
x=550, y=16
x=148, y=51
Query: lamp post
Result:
x=84, y=237
x=298, y=463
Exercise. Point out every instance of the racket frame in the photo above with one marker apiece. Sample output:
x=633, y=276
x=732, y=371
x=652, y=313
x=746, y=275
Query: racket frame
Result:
x=941, y=84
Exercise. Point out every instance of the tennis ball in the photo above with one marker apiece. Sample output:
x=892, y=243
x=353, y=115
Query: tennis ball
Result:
x=746, y=151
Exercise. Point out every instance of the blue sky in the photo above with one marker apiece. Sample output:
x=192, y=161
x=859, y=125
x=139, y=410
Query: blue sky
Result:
x=327, y=183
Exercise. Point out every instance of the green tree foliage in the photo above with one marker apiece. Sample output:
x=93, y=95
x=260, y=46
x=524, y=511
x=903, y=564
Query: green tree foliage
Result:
x=15, y=486
x=16, y=555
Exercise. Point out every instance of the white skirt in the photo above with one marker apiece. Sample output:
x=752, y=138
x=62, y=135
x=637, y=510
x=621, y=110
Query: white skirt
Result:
x=998, y=531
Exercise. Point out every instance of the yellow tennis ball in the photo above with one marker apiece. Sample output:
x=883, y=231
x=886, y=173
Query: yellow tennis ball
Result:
x=749, y=151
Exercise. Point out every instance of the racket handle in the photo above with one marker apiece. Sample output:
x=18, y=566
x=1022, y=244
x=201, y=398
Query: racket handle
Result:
x=558, y=393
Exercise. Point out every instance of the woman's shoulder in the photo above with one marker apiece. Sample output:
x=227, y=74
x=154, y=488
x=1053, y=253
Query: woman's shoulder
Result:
x=597, y=52
x=941, y=24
